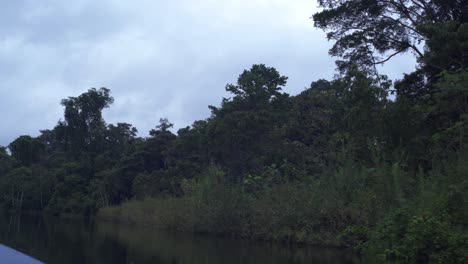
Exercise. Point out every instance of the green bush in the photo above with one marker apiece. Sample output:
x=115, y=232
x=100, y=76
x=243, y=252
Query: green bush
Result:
x=419, y=238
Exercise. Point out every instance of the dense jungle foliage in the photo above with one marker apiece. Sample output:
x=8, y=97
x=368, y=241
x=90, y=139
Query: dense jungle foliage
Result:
x=359, y=161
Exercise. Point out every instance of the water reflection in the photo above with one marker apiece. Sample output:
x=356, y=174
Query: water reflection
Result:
x=85, y=241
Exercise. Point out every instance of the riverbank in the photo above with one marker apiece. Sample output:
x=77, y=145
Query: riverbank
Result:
x=226, y=211
x=378, y=212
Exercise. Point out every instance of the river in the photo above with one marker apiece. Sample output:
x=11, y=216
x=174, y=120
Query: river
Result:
x=58, y=241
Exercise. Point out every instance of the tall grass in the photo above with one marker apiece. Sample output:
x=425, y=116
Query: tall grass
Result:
x=316, y=211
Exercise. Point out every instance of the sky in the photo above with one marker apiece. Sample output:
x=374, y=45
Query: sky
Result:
x=160, y=58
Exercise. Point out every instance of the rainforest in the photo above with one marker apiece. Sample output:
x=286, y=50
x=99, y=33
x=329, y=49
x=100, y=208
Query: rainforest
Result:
x=359, y=161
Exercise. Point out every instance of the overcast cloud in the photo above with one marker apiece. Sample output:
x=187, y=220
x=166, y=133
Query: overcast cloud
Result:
x=159, y=58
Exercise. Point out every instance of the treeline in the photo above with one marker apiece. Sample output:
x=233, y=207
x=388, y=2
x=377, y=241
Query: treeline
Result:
x=340, y=163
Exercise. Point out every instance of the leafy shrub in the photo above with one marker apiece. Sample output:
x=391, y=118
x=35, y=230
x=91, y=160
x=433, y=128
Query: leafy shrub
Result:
x=419, y=238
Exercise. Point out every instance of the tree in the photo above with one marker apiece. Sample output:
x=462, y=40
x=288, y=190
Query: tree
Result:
x=338, y=119
x=260, y=82
x=120, y=139
x=84, y=126
x=370, y=32
x=435, y=94
x=256, y=88
x=27, y=150
x=163, y=127
x=153, y=153
x=188, y=155
x=450, y=110
x=241, y=131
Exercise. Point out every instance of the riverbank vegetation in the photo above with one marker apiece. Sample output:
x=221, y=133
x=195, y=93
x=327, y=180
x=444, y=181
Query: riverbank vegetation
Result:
x=358, y=161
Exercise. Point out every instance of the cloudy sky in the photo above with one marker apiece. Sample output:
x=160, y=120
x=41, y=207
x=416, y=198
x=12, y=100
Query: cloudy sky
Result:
x=160, y=58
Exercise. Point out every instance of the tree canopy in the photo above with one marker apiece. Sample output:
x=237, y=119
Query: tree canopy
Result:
x=370, y=32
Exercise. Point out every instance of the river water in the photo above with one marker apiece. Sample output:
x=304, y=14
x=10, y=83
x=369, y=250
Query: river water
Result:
x=81, y=241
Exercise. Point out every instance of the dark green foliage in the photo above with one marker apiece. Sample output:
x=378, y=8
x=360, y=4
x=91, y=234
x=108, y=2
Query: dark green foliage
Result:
x=26, y=150
x=26, y=188
x=245, y=131
x=431, y=227
x=422, y=239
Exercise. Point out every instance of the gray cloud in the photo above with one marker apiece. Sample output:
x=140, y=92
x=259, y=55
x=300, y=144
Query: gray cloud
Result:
x=160, y=58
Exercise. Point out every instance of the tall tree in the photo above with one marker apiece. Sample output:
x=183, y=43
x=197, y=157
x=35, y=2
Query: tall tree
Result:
x=370, y=32
x=84, y=126
x=241, y=130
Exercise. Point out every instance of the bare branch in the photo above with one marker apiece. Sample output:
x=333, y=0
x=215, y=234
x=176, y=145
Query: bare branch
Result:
x=412, y=46
x=389, y=57
x=415, y=49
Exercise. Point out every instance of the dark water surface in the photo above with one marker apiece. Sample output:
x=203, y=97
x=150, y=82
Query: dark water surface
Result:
x=60, y=241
